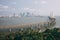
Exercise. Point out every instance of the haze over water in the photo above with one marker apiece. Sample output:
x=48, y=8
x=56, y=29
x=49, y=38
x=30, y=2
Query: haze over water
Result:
x=25, y=20
x=22, y=20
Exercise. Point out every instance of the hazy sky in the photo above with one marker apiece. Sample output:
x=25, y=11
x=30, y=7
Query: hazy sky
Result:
x=42, y=7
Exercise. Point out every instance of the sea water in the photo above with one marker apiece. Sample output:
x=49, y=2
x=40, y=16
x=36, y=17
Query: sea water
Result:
x=24, y=20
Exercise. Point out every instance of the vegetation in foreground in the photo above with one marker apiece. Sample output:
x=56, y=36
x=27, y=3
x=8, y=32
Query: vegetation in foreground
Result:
x=30, y=34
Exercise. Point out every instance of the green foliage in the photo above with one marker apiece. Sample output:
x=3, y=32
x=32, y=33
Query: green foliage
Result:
x=30, y=34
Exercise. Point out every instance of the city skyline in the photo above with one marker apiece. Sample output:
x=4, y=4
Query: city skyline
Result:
x=41, y=7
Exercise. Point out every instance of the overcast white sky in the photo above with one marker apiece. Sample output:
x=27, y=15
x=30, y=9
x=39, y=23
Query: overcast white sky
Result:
x=42, y=7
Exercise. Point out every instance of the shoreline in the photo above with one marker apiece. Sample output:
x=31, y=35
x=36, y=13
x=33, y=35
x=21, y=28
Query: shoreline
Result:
x=22, y=25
